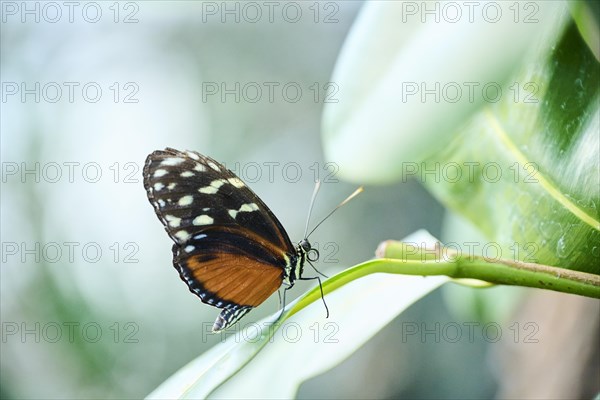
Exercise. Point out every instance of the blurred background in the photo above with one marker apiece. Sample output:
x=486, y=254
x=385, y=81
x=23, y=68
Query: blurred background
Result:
x=90, y=303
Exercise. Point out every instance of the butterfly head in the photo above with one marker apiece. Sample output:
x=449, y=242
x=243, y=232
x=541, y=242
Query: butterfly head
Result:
x=311, y=253
x=304, y=251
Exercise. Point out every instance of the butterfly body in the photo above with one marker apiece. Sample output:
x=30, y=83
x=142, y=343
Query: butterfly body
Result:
x=229, y=249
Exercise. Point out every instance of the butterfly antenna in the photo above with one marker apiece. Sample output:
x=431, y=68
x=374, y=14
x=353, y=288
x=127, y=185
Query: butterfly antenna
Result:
x=312, y=202
x=353, y=195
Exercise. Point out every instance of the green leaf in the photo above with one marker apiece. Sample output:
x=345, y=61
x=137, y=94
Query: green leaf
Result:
x=520, y=164
x=390, y=53
x=248, y=365
x=587, y=17
x=533, y=181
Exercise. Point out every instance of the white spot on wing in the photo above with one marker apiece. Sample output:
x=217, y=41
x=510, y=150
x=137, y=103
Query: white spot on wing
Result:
x=200, y=236
x=172, y=161
x=173, y=221
x=182, y=235
x=213, y=187
x=193, y=155
x=171, y=185
x=236, y=182
x=161, y=202
x=208, y=190
x=189, y=249
x=244, y=208
x=248, y=207
x=202, y=220
x=186, y=200
x=160, y=172
x=158, y=186
x=214, y=166
x=187, y=174
x=199, y=168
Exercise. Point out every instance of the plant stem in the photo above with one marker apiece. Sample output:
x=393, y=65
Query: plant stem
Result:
x=502, y=272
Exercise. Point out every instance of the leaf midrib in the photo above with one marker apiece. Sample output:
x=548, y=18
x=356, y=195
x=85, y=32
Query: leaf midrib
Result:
x=546, y=184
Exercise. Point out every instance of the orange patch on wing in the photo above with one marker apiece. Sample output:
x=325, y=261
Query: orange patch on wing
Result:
x=238, y=279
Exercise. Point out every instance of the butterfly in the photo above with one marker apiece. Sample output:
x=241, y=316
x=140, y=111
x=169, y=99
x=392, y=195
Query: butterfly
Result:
x=230, y=249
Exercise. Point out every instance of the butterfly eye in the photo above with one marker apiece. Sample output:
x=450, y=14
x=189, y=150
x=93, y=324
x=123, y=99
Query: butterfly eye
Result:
x=305, y=244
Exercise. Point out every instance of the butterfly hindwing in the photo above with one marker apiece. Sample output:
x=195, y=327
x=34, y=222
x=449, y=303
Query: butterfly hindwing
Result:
x=227, y=278
x=229, y=247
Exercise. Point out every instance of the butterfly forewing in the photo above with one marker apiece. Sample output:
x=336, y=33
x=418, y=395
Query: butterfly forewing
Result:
x=229, y=247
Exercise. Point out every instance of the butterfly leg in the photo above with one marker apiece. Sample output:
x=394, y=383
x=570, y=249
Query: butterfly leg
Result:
x=279, y=295
x=282, y=303
x=316, y=270
x=320, y=287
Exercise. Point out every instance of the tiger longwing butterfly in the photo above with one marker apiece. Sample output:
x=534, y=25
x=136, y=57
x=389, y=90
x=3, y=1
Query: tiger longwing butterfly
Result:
x=229, y=249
